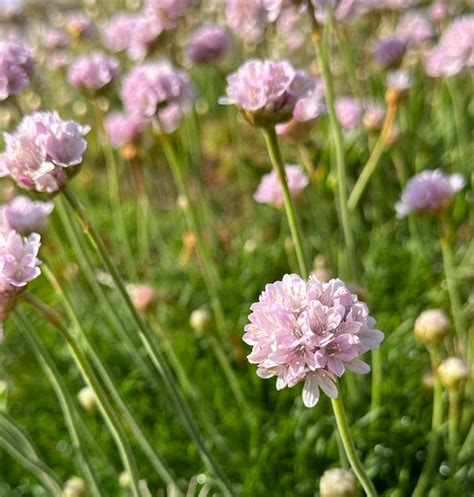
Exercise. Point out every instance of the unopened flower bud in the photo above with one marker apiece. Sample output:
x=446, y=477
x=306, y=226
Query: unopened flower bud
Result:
x=200, y=320
x=87, y=399
x=144, y=297
x=74, y=487
x=453, y=373
x=182, y=202
x=337, y=482
x=124, y=479
x=431, y=326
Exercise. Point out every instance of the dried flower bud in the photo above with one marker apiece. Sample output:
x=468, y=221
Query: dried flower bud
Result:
x=75, y=487
x=200, y=320
x=453, y=373
x=431, y=326
x=337, y=482
x=87, y=399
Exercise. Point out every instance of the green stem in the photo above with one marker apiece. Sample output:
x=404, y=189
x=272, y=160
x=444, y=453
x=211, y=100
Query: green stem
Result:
x=453, y=427
x=108, y=413
x=71, y=416
x=278, y=166
x=155, y=355
x=376, y=380
x=350, y=449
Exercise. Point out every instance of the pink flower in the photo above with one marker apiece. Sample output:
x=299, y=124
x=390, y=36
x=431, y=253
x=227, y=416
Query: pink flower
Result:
x=349, y=112
x=93, y=71
x=123, y=128
x=25, y=216
x=414, y=27
x=208, y=44
x=309, y=331
x=118, y=31
x=389, y=52
x=16, y=67
x=18, y=266
x=429, y=192
x=269, y=191
x=43, y=151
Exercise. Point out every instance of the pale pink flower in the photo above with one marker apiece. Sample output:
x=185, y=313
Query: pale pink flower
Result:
x=25, y=216
x=93, y=71
x=16, y=68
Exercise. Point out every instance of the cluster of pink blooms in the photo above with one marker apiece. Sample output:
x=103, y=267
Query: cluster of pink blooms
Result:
x=158, y=90
x=270, y=192
x=25, y=216
x=93, y=71
x=309, y=331
x=44, y=152
x=53, y=38
x=123, y=128
x=454, y=51
x=266, y=91
x=79, y=25
x=18, y=266
x=16, y=67
x=429, y=193
x=414, y=28
x=349, y=112
x=208, y=44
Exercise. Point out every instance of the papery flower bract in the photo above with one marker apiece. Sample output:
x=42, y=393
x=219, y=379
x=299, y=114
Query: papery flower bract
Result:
x=429, y=192
x=16, y=67
x=123, y=128
x=93, y=71
x=309, y=331
x=208, y=44
x=41, y=153
x=390, y=51
x=25, y=216
x=455, y=50
x=158, y=90
x=399, y=80
x=269, y=191
x=18, y=266
x=349, y=112
x=265, y=91
x=414, y=28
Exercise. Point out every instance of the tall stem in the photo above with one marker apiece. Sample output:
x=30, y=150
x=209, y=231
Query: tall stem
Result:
x=350, y=449
x=145, y=335
x=453, y=427
x=277, y=163
x=108, y=413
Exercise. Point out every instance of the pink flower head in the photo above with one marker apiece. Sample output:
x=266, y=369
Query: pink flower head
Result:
x=309, y=331
x=25, y=216
x=157, y=89
x=208, y=44
x=123, y=128
x=54, y=38
x=79, y=25
x=269, y=191
x=414, y=28
x=118, y=31
x=40, y=155
x=265, y=91
x=373, y=117
x=429, y=192
x=169, y=10
x=18, y=266
x=455, y=50
x=16, y=67
x=389, y=52
x=349, y=112
x=93, y=71
x=399, y=80
x=144, y=297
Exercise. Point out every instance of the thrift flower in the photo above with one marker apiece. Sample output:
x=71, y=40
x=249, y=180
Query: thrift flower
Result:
x=429, y=192
x=118, y=30
x=157, y=89
x=270, y=192
x=414, y=28
x=309, y=331
x=18, y=266
x=390, y=51
x=123, y=128
x=349, y=112
x=93, y=71
x=337, y=482
x=16, y=67
x=265, y=91
x=25, y=216
x=44, y=152
x=453, y=373
x=143, y=297
x=432, y=326
x=208, y=44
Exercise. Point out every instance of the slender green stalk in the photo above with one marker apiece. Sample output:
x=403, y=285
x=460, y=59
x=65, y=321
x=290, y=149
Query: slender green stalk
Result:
x=453, y=421
x=350, y=449
x=106, y=409
x=71, y=416
x=376, y=396
x=373, y=161
x=145, y=336
x=143, y=441
x=323, y=58
x=277, y=163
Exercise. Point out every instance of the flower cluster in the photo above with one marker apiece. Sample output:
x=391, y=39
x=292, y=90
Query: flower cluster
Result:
x=93, y=71
x=208, y=44
x=43, y=151
x=16, y=67
x=309, y=330
x=266, y=91
x=270, y=192
x=18, y=266
x=455, y=50
x=25, y=216
x=414, y=28
x=429, y=193
x=389, y=52
x=123, y=128
x=349, y=112
x=158, y=90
